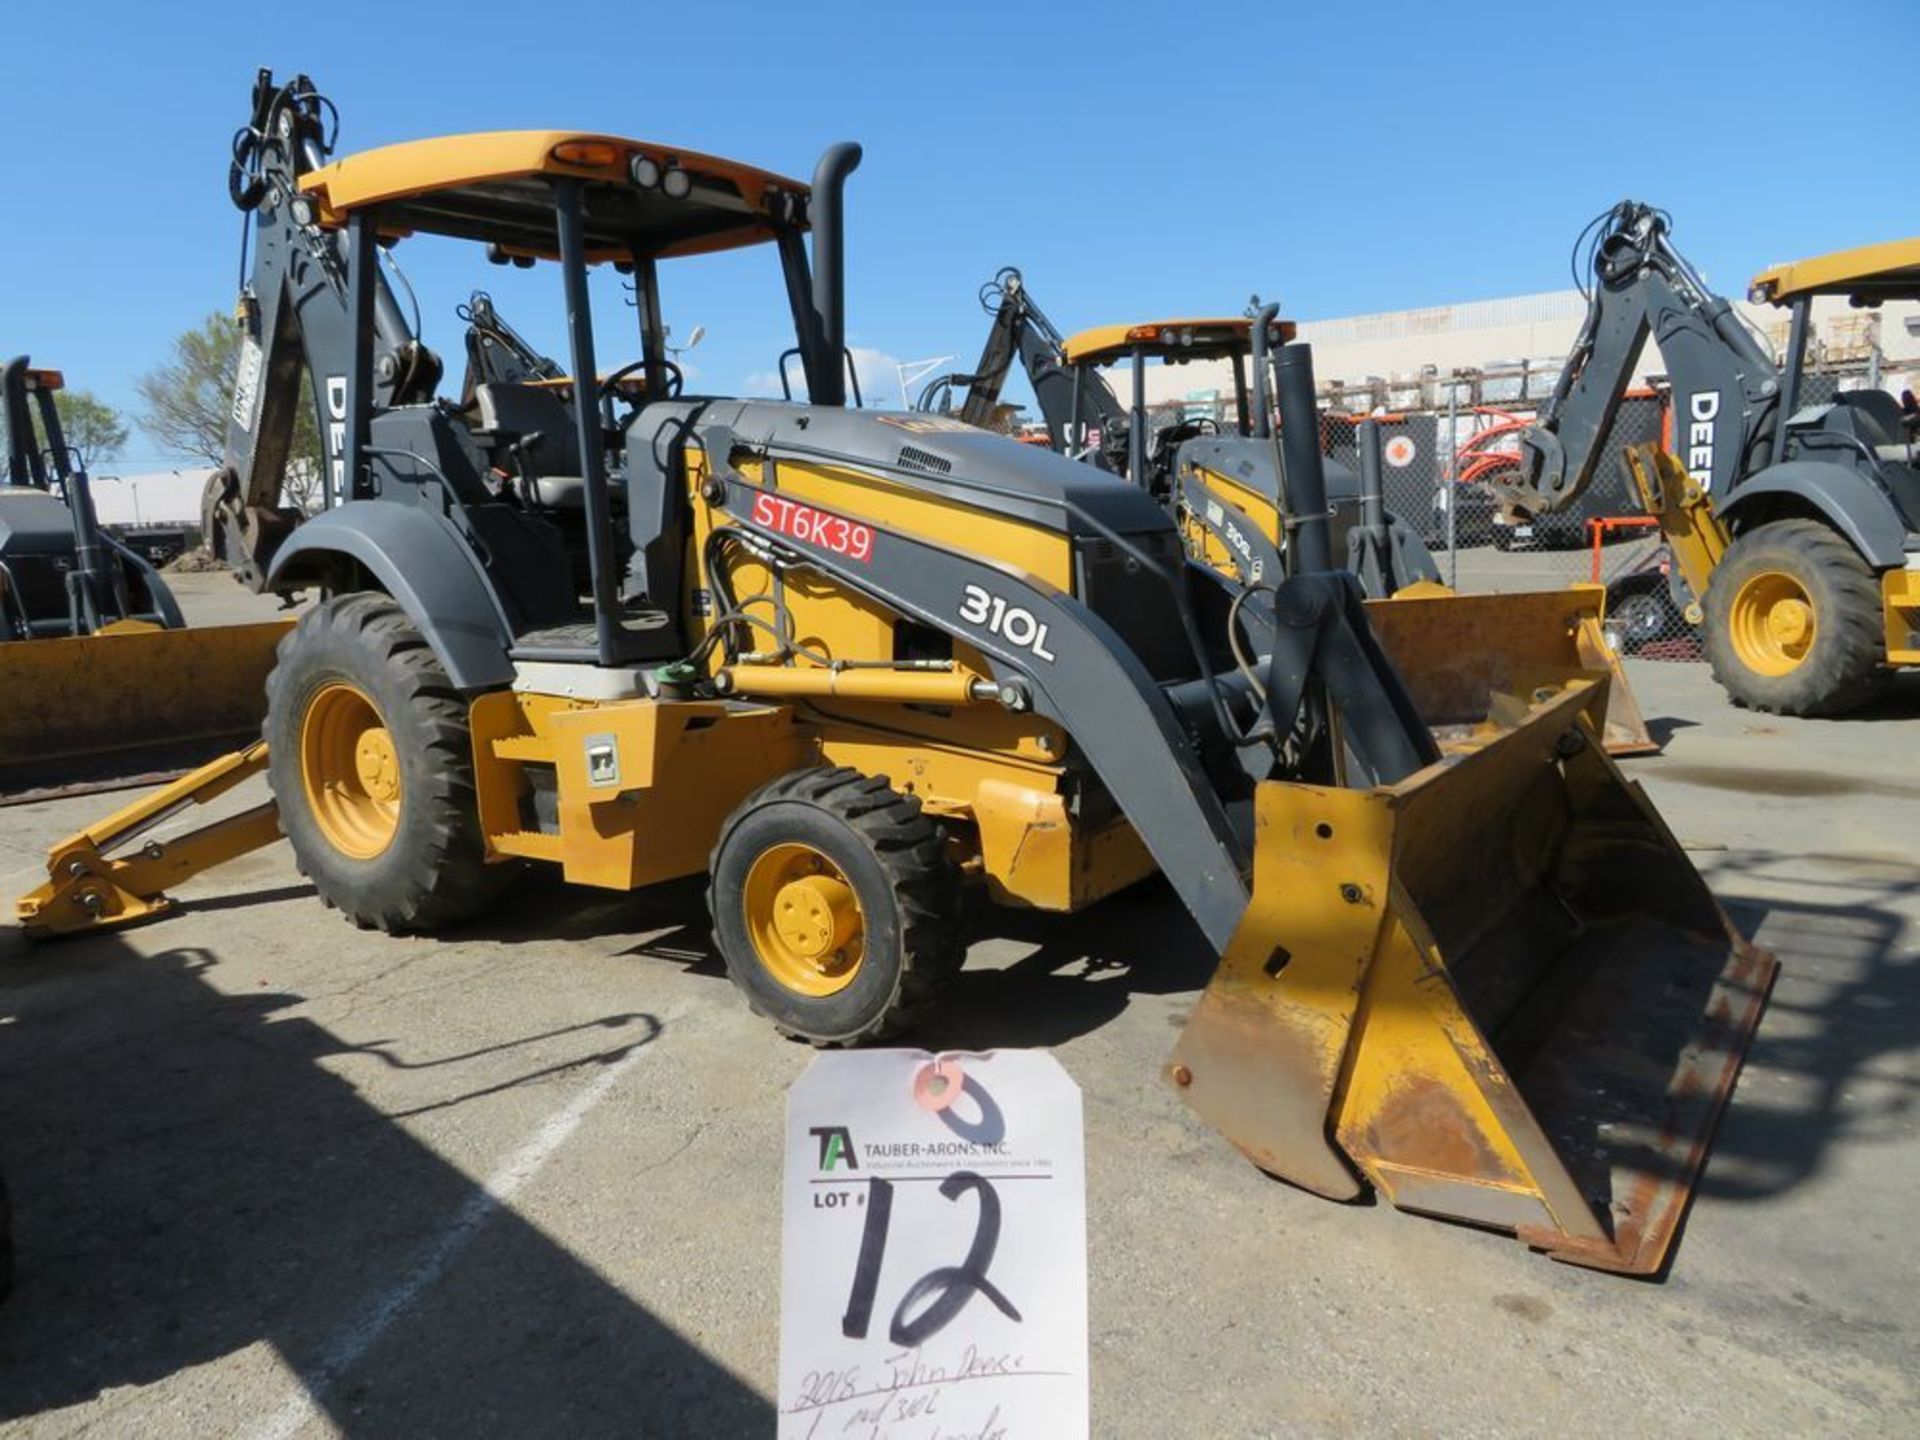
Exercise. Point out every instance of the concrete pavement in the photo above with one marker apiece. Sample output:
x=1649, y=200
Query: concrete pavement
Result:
x=274, y=1176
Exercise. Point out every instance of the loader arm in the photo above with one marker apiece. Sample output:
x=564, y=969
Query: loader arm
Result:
x=1725, y=386
x=294, y=317
x=1696, y=536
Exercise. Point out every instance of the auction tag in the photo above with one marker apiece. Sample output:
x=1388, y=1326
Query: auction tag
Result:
x=934, y=1248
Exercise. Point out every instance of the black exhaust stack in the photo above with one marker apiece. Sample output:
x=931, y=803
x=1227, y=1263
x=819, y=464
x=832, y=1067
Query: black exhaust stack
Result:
x=24, y=465
x=1373, y=500
x=828, y=215
x=1262, y=358
x=1369, y=544
x=1304, y=478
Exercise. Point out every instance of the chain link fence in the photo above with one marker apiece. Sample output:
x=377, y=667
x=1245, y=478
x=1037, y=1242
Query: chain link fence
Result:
x=1604, y=538
x=1446, y=439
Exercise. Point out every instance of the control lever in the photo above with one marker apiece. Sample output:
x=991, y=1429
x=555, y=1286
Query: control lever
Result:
x=521, y=449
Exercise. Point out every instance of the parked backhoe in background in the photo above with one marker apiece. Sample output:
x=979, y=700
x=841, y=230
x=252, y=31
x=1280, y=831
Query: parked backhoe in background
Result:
x=1225, y=483
x=101, y=679
x=1797, y=524
x=848, y=663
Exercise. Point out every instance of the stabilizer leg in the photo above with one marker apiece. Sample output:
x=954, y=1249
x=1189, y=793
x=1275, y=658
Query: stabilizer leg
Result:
x=89, y=889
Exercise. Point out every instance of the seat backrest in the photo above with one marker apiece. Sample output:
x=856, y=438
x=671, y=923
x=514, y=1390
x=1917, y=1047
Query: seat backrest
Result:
x=1881, y=412
x=657, y=513
x=448, y=452
x=516, y=411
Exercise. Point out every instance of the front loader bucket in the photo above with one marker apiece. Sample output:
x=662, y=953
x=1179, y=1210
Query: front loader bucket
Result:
x=96, y=710
x=1457, y=651
x=1498, y=991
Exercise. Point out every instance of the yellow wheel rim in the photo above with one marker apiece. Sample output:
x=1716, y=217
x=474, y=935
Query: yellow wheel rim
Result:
x=804, y=920
x=1773, y=623
x=350, y=771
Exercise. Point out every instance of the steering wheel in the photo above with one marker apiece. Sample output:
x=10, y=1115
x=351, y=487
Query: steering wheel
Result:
x=675, y=380
x=1172, y=437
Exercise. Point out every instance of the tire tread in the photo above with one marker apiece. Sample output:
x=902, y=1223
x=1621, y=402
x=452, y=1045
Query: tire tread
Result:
x=446, y=879
x=925, y=884
x=1841, y=676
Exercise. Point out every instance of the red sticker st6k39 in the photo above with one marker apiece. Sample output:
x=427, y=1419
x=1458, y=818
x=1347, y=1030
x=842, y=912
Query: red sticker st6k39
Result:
x=814, y=527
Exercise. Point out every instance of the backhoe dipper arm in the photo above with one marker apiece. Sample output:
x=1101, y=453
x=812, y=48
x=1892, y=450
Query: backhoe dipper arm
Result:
x=293, y=315
x=1725, y=385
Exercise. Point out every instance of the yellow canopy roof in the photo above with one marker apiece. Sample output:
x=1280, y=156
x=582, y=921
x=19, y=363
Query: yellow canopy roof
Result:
x=1205, y=338
x=1887, y=271
x=496, y=186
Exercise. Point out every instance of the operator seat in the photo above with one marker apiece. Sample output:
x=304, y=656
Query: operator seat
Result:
x=531, y=430
x=1885, y=429
x=658, y=518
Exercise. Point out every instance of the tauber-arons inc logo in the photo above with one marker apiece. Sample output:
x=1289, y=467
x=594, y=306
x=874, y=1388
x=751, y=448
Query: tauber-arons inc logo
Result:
x=836, y=1146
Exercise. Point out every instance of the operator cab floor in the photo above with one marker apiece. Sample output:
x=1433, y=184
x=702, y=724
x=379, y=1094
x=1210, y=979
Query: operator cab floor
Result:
x=651, y=639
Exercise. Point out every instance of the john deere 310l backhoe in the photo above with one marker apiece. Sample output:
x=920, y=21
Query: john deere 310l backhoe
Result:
x=1227, y=486
x=1796, y=524
x=847, y=663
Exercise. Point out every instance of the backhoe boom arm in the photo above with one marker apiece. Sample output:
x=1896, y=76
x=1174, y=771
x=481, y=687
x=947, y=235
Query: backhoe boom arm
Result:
x=1021, y=328
x=1725, y=385
x=293, y=316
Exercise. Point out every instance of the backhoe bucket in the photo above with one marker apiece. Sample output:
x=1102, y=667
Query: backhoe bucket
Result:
x=1498, y=992
x=1457, y=651
x=134, y=704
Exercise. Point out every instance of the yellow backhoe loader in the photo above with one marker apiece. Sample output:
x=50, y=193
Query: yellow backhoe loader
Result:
x=1796, y=523
x=846, y=663
x=1227, y=485
x=102, y=680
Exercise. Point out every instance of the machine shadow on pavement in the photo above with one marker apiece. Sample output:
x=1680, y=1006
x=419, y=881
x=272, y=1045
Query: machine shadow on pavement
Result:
x=1662, y=728
x=1081, y=971
x=1828, y=1066
x=1849, y=985
x=190, y=1180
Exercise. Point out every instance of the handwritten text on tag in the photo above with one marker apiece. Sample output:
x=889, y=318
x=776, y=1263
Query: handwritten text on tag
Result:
x=934, y=1248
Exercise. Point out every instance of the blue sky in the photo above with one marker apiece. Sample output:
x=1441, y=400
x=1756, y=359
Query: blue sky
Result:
x=1131, y=159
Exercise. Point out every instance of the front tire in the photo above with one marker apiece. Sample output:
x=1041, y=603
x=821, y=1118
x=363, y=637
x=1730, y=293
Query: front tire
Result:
x=1639, y=620
x=371, y=762
x=835, y=905
x=1793, y=621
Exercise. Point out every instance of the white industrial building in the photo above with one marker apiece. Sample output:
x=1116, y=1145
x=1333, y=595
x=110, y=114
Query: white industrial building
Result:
x=1400, y=359
x=160, y=497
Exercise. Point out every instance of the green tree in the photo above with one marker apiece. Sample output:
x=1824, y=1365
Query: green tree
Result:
x=94, y=430
x=187, y=400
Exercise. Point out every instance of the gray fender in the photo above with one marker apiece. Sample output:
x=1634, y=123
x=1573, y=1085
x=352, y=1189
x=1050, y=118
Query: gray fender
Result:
x=424, y=564
x=1855, y=506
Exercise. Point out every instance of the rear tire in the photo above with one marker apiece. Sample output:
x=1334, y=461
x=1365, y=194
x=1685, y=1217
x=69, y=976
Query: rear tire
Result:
x=6, y=1242
x=835, y=906
x=371, y=762
x=1793, y=621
